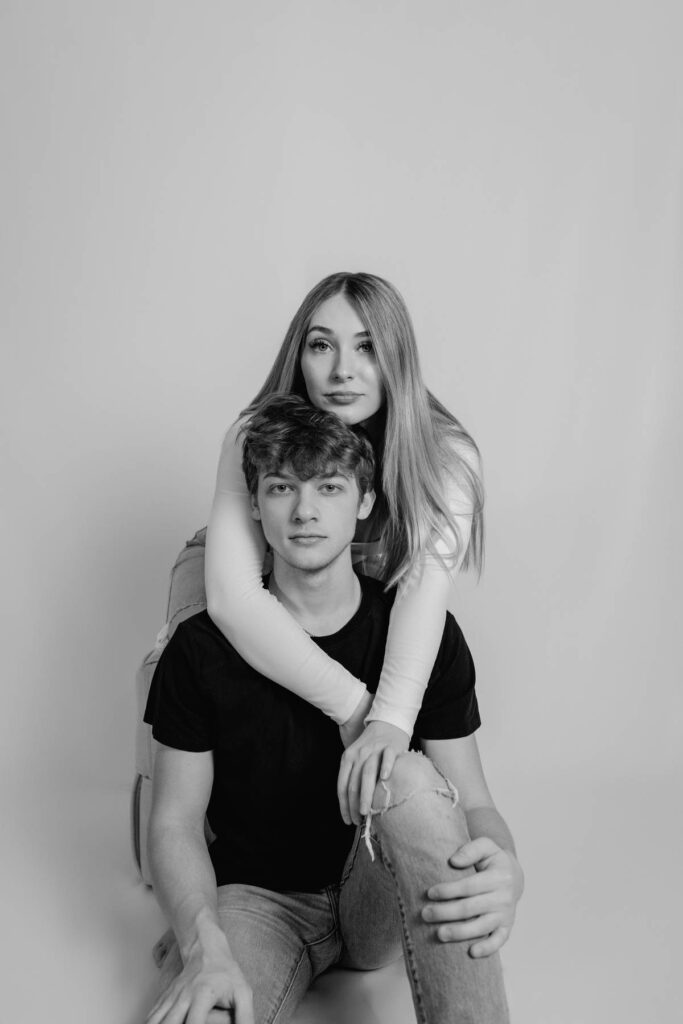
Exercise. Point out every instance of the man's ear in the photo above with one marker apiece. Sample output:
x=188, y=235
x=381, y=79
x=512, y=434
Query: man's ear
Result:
x=366, y=503
x=255, y=511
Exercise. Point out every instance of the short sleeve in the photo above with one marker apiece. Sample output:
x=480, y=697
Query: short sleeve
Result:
x=177, y=708
x=450, y=709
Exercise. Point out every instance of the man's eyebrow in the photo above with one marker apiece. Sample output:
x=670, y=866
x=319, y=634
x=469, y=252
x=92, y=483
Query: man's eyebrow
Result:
x=330, y=332
x=284, y=475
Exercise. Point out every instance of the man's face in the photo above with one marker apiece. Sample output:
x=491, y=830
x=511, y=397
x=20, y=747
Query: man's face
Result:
x=309, y=523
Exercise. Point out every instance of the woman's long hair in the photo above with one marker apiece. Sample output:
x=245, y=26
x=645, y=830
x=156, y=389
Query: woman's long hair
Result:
x=423, y=442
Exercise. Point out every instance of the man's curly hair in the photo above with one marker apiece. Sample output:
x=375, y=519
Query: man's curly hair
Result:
x=286, y=430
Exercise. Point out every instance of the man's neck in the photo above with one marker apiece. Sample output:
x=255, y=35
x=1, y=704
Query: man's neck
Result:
x=321, y=602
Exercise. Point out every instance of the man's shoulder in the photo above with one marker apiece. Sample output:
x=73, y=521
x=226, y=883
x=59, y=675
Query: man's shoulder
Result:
x=199, y=638
x=195, y=629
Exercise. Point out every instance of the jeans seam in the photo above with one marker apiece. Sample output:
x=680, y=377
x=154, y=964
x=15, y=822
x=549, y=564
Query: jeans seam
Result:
x=354, y=854
x=289, y=984
x=411, y=962
x=304, y=951
x=335, y=916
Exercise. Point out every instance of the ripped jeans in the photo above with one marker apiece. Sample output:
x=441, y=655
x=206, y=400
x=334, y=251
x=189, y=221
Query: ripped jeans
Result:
x=283, y=941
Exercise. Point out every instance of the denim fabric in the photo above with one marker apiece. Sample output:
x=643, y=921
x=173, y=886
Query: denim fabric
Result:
x=283, y=941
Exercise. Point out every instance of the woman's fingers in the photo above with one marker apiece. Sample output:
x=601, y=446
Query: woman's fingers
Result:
x=388, y=761
x=364, y=761
x=368, y=783
x=343, y=787
x=356, y=782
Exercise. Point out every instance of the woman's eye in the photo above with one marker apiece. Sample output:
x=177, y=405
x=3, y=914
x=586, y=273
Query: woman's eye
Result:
x=319, y=344
x=366, y=346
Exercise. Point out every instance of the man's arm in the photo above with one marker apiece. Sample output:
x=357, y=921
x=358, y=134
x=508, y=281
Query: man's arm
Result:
x=185, y=885
x=480, y=906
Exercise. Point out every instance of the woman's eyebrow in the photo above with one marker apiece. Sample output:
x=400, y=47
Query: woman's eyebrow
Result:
x=329, y=331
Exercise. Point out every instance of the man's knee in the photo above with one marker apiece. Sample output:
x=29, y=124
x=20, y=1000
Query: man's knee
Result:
x=417, y=807
x=412, y=774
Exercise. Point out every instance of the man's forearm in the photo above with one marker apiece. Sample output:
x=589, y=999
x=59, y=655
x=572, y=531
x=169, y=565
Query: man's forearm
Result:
x=185, y=885
x=487, y=821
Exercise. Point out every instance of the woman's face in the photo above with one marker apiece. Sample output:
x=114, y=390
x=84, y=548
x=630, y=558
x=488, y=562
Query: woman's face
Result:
x=338, y=363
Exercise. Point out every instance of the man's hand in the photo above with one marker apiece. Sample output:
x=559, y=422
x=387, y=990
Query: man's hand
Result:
x=481, y=906
x=207, y=985
x=367, y=759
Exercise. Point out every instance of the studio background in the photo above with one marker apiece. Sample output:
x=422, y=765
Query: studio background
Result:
x=176, y=177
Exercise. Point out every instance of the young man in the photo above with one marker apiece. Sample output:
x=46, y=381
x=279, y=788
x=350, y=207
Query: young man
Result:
x=287, y=889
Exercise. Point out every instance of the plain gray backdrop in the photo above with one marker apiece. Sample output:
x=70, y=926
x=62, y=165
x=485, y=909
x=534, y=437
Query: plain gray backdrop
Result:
x=175, y=177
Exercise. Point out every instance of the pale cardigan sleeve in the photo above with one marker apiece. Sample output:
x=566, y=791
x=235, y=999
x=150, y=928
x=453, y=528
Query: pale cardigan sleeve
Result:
x=417, y=620
x=269, y=638
x=252, y=619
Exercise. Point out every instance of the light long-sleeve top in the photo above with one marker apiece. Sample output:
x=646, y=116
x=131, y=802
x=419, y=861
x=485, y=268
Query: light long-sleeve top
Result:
x=269, y=638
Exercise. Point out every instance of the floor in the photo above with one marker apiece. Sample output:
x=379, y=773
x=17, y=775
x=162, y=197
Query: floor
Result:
x=597, y=937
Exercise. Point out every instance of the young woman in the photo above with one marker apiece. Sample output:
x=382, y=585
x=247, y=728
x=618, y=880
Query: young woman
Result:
x=351, y=349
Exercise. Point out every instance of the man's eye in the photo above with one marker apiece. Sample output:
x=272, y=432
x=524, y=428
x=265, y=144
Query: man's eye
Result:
x=330, y=488
x=278, y=488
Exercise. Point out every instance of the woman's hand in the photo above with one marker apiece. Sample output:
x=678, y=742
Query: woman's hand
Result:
x=365, y=760
x=480, y=906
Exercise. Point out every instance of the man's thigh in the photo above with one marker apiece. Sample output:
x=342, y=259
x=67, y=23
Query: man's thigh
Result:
x=281, y=941
x=368, y=910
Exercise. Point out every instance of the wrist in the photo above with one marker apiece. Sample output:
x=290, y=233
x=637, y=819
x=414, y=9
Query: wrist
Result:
x=360, y=709
x=206, y=941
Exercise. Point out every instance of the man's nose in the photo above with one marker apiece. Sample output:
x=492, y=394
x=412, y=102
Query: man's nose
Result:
x=305, y=509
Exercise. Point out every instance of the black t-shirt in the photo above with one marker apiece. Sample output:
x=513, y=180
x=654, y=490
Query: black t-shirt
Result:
x=273, y=804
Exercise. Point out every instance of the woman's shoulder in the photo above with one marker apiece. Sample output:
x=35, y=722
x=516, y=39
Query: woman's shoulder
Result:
x=458, y=448
x=462, y=469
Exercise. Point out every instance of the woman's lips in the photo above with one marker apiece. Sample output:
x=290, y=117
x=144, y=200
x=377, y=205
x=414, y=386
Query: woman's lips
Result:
x=342, y=397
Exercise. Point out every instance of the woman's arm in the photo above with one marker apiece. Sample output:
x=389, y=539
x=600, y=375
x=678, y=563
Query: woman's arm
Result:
x=252, y=619
x=415, y=630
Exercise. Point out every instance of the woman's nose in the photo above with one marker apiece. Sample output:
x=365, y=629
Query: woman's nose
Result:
x=343, y=366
